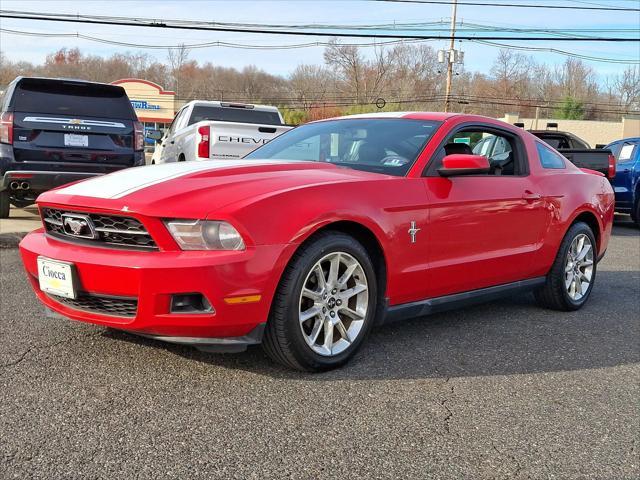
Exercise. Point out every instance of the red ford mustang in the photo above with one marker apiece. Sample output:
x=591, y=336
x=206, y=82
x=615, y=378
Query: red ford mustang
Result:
x=311, y=239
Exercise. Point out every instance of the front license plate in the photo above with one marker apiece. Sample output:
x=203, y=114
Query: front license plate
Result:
x=56, y=277
x=73, y=140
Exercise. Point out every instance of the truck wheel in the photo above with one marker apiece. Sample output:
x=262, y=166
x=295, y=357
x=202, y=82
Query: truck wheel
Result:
x=181, y=158
x=324, y=306
x=4, y=204
x=571, y=278
x=635, y=214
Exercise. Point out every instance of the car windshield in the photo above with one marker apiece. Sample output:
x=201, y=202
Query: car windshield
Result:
x=381, y=145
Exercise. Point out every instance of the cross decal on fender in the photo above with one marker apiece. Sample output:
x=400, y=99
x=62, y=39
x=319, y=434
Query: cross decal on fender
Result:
x=412, y=231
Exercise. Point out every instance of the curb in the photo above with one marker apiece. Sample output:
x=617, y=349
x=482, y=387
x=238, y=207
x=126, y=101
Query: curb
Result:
x=11, y=240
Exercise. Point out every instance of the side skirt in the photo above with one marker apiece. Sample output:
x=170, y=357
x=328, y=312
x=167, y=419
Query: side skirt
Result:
x=421, y=308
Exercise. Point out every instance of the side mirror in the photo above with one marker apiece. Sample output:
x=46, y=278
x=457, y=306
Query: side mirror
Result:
x=154, y=135
x=464, y=164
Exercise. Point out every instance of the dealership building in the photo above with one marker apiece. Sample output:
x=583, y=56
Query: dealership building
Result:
x=154, y=105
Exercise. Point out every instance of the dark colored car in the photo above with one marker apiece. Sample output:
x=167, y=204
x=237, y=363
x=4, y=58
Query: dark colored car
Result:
x=626, y=185
x=579, y=152
x=56, y=131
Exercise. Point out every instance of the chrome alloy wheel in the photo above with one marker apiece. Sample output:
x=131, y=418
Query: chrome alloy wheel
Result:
x=579, y=267
x=333, y=303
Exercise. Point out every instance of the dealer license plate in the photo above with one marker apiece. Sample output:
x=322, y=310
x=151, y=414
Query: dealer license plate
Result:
x=56, y=277
x=73, y=140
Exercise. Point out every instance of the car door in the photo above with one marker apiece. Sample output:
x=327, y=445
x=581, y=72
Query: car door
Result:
x=184, y=136
x=623, y=184
x=484, y=230
x=169, y=153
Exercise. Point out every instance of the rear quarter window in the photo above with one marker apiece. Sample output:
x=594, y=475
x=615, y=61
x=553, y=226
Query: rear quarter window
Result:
x=56, y=97
x=549, y=158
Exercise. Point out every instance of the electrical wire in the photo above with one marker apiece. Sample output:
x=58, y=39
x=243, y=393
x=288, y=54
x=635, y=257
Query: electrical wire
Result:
x=514, y=5
x=293, y=46
x=187, y=25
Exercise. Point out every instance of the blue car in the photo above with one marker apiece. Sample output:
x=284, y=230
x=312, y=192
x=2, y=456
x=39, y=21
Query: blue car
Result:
x=626, y=183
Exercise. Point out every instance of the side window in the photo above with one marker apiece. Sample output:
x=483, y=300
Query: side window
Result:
x=626, y=152
x=549, y=158
x=499, y=149
x=172, y=127
x=182, y=121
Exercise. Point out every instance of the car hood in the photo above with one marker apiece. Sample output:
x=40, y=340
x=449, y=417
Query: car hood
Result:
x=193, y=189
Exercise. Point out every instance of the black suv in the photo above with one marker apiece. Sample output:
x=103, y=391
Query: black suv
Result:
x=56, y=131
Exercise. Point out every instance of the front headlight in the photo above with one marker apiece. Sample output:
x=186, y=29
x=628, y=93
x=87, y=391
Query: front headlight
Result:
x=205, y=235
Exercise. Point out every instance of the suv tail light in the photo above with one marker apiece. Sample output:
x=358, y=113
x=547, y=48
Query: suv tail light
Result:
x=204, y=133
x=6, y=128
x=138, y=136
x=612, y=166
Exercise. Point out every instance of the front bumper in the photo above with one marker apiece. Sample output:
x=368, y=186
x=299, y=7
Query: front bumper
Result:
x=151, y=278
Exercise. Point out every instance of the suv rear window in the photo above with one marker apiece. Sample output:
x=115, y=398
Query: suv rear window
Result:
x=72, y=98
x=231, y=114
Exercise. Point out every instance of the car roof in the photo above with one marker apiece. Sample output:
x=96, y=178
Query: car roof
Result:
x=629, y=139
x=62, y=80
x=219, y=103
x=434, y=116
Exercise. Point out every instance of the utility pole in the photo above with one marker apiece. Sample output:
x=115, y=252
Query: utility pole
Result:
x=451, y=57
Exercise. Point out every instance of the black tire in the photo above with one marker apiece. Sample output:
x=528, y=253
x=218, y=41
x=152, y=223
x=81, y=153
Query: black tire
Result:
x=5, y=205
x=554, y=294
x=181, y=158
x=635, y=214
x=283, y=339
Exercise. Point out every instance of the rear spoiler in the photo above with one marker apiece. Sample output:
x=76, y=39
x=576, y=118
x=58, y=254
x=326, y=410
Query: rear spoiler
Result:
x=593, y=172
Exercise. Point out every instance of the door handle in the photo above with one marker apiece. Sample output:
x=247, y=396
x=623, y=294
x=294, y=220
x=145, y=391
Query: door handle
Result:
x=530, y=196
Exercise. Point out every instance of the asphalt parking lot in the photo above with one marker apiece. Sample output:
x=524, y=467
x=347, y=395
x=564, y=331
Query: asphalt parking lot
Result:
x=502, y=390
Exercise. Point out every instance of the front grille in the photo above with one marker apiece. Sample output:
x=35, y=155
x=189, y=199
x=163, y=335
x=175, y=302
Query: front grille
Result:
x=113, y=306
x=111, y=230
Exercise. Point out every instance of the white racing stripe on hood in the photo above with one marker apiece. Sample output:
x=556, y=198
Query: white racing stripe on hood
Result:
x=125, y=182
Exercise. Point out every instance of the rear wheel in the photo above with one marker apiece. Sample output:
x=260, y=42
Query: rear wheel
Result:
x=325, y=305
x=573, y=273
x=635, y=214
x=4, y=204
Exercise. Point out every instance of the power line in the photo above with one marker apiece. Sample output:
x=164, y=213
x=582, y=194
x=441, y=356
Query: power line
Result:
x=516, y=5
x=185, y=25
x=635, y=61
x=293, y=46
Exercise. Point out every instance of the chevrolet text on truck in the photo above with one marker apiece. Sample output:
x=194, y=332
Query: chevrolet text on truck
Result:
x=203, y=130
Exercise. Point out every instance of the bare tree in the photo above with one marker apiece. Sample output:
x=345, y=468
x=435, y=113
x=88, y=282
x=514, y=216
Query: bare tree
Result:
x=627, y=84
x=177, y=58
x=349, y=65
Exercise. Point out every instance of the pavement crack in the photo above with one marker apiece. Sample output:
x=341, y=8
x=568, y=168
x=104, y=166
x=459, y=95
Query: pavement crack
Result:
x=512, y=458
x=443, y=404
x=23, y=356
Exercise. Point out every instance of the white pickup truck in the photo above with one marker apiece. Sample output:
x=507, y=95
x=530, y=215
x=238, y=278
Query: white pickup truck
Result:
x=205, y=130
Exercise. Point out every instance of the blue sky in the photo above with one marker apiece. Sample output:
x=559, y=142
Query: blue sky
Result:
x=478, y=57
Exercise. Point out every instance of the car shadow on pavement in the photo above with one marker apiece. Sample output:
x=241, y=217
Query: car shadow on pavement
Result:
x=624, y=227
x=507, y=337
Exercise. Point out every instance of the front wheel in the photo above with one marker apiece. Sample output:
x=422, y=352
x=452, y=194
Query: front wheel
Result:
x=570, y=280
x=325, y=304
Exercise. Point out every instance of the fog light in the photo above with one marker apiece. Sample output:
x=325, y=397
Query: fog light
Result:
x=190, y=303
